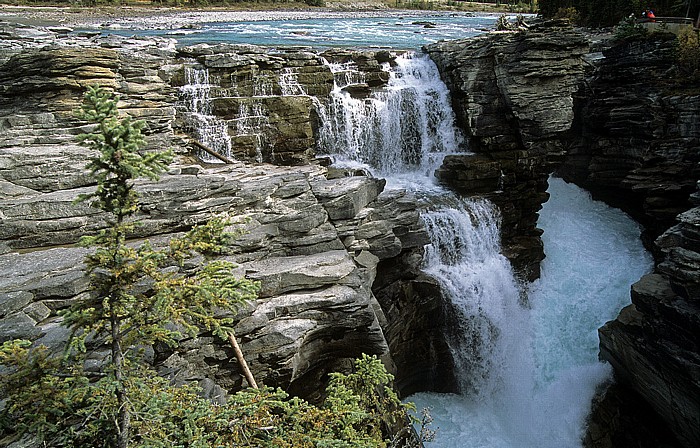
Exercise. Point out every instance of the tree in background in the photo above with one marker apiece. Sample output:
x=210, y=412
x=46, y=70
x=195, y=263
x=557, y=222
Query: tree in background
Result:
x=600, y=13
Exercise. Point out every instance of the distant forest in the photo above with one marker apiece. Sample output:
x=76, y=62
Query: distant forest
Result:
x=610, y=12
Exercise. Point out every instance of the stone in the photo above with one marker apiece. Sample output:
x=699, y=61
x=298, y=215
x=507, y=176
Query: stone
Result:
x=37, y=311
x=344, y=198
x=281, y=275
x=14, y=301
x=18, y=326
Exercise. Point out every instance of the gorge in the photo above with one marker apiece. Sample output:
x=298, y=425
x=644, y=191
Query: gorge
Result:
x=340, y=253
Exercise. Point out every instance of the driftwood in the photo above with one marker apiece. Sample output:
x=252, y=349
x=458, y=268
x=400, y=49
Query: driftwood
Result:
x=210, y=151
x=241, y=360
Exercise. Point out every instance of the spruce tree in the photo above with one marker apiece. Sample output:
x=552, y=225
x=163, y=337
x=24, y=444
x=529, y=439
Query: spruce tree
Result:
x=142, y=295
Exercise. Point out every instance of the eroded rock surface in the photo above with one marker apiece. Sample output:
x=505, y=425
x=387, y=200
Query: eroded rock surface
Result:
x=314, y=243
x=637, y=133
x=513, y=95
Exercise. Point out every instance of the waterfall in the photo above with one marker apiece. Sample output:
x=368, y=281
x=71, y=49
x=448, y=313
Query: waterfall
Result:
x=464, y=256
x=207, y=128
x=541, y=368
x=402, y=132
x=526, y=367
x=251, y=124
x=405, y=128
x=289, y=82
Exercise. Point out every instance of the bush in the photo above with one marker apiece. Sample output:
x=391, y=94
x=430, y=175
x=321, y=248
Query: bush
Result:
x=69, y=410
x=629, y=28
x=570, y=14
x=689, y=52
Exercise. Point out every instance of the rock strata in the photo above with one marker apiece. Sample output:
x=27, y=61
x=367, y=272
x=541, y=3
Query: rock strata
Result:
x=315, y=242
x=637, y=124
x=513, y=96
x=634, y=143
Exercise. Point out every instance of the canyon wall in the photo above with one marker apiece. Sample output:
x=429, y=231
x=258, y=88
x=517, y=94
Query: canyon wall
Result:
x=315, y=238
x=623, y=124
x=636, y=144
x=513, y=96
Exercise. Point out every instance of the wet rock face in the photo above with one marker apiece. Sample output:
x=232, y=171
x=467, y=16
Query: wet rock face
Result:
x=263, y=99
x=637, y=133
x=513, y=96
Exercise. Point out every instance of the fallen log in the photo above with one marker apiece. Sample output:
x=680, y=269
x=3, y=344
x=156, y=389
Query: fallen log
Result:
x=210, y=151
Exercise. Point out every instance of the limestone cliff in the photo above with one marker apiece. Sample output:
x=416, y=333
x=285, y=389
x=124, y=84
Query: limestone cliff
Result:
x=636, y=144
x=513, y=96
x=315, y=241
x=637, y=123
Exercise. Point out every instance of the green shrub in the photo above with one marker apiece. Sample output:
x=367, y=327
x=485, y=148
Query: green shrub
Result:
x=689, y=51
x=571, y=14
x=629, y=28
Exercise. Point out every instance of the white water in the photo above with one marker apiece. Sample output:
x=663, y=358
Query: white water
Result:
x=404, y=129
x=527, y=368
x=205, y=127
x=542, y=369
x=464, y=256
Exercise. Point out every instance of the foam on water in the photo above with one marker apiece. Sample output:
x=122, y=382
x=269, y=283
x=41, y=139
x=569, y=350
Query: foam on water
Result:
x=403, y=130
x=542, y=370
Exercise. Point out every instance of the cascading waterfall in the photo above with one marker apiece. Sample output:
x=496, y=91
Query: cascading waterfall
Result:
x=464, y=256
x=527, y=368
x=250, y=123
x=207, y=128
x=544, y=366
x=405, y=128
x=289, y=82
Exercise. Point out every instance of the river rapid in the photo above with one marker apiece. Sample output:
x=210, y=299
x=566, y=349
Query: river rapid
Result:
x=526, y=355
x=537, y=388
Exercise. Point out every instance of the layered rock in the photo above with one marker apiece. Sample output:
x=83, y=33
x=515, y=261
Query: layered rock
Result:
x=314, y=242
x=263, y=98
x=637, y=133
x=316, y=310
x=654, y=344
x=513, y=97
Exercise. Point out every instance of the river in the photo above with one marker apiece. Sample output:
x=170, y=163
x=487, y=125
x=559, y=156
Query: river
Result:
x=406, y=30
x=526, y=354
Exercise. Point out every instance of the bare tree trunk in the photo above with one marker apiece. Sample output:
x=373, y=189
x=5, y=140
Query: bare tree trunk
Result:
x=241, y=360
x=123, y=414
